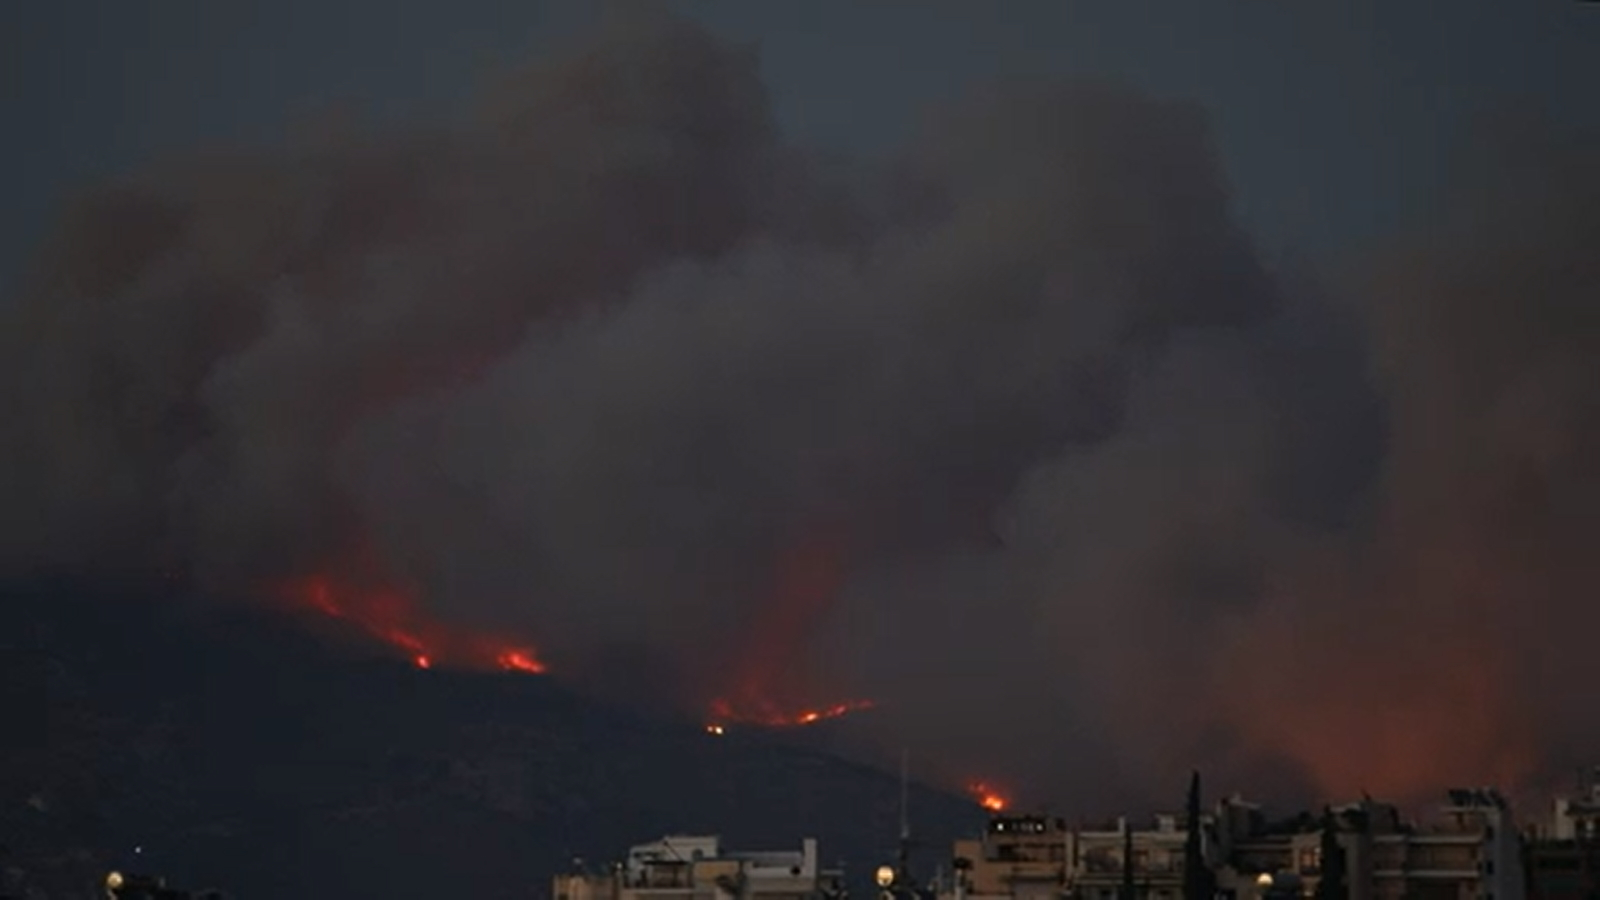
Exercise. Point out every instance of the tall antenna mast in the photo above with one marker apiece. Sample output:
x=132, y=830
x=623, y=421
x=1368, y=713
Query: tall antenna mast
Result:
x=905, y=815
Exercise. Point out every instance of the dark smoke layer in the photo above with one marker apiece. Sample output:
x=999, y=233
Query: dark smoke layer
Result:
x=1013, y=432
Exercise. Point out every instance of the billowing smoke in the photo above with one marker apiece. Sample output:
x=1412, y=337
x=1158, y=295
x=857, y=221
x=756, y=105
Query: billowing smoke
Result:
x=1013, y=432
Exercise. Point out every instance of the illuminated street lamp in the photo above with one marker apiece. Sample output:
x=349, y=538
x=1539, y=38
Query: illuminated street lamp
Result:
x=125, y=886
x=895, y=884
x=120, y=886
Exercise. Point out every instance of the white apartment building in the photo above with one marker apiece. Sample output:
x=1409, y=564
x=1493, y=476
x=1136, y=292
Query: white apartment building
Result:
x=1577, y=817
x=696, y=867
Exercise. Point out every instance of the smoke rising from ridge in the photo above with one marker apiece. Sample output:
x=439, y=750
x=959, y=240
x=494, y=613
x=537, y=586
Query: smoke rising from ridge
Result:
x=1013, y=432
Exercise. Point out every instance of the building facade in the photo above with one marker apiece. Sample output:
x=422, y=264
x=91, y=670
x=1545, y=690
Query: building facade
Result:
x=1564, y=855
x=697, y=867
x=1040, y=858
x=1017, y=857
x=1155, y=867
x=1472, y=850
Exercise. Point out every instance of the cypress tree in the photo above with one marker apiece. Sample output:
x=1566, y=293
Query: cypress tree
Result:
x=1332, y=884
x=1199, y=882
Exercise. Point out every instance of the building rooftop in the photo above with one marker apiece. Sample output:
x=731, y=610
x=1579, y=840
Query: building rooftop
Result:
x=1025, y=825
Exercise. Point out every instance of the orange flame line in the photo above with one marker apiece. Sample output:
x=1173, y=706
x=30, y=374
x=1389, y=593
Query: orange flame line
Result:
x=767, y=715
x=390, y=617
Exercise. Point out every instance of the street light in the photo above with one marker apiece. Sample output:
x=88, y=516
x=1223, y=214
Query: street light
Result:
x=895, y=884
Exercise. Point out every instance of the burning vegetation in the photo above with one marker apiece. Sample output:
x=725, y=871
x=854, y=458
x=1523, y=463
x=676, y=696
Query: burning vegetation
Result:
x=988, y=796
x=807, y=577
x=392, y=617
x=766, y=714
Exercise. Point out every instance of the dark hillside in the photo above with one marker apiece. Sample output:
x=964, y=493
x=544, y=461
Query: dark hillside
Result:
x=233, y=750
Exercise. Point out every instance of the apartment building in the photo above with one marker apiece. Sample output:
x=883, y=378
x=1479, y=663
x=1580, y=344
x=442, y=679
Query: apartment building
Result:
x=1156, y=863
x=1470, y=851
x=1564, y=854
x=1023, y=857
x=697, y=867
x=1040, y=858
x=1577, y=817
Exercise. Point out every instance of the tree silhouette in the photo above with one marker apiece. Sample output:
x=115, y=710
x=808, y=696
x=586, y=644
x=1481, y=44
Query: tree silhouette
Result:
x=1199, y=882
x=1332, y=884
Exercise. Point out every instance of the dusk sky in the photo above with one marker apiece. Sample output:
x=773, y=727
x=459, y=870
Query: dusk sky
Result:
x=1331, y=116
x=1159, y=384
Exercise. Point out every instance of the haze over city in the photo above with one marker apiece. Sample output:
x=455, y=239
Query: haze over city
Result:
x=1073, y=395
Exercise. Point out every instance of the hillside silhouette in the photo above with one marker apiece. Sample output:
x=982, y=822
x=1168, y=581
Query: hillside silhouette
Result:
x=232, y=749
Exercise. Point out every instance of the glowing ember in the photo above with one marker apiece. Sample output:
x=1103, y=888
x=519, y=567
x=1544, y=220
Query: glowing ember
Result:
x=987, y=797
x=394, y=619
x=768, y=715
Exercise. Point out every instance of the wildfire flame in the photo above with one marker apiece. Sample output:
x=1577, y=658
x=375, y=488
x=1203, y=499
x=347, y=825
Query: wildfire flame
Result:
x=988, y=797
x=766, y=714
x=520, y=661
x=391, y=617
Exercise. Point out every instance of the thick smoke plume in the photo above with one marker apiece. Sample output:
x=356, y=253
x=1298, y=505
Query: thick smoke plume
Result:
x=1014, y=432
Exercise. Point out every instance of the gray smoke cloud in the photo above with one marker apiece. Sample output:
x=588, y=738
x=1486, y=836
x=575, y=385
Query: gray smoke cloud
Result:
x=1013, y=432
